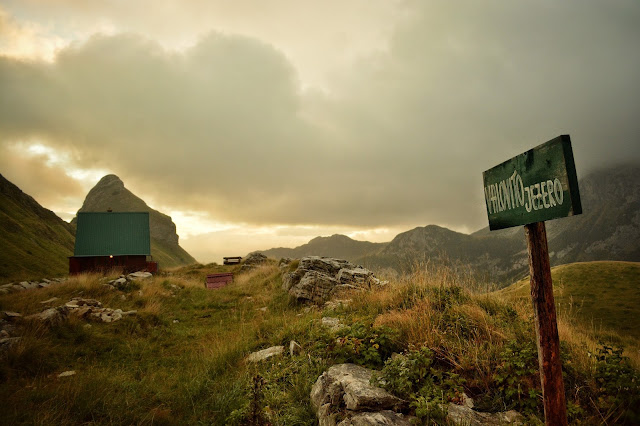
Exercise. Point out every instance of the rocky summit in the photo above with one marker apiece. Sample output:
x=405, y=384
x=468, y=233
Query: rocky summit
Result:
x=110, y=193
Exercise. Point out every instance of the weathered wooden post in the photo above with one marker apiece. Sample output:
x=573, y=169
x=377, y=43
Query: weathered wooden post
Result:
x=535, y=186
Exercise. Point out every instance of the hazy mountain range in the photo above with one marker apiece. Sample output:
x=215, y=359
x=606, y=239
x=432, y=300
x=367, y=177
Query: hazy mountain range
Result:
x=609, y=229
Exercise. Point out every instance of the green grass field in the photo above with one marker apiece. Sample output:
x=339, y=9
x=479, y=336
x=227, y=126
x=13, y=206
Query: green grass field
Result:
x=598, y=294
x=181, y=359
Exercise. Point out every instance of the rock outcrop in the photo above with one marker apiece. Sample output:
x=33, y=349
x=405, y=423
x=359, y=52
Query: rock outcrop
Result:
x=317, y=278
x=344, y=392
x=124, y=281
x=252, y=261
x=344, y=396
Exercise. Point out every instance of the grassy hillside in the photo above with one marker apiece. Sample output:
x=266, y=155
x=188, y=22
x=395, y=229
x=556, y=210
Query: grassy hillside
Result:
x=600, y=294
x=34, y=242
x=181, y=359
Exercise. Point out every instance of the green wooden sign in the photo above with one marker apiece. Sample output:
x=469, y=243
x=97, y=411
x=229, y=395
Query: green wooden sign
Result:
x=535, y=186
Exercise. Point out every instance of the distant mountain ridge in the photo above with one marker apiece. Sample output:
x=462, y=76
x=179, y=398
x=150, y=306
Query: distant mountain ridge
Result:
x=608, y=229
x=34, y=241
x=336, y=245
x=110, y=193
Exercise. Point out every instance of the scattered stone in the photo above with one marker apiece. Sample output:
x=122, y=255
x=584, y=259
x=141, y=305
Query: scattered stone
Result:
x=460, y=414
x=67, y=373
x=51, y=315
x=337, y=303
x=332, y=323
x=265, y=353
x=10, y=316
x=28, y=285
x=263, y=309
x=140, y=275
x=123, y=297
x=378, y=418
x=90, y=309
x=119, y=283
x=7, y=342
x=175, y=321
x=53, y=299
x=294, y=348
x=347, y=386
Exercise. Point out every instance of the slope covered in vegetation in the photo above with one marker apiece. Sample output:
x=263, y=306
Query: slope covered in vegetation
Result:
x=34, y=242
x=602, y=294
x=182, y=358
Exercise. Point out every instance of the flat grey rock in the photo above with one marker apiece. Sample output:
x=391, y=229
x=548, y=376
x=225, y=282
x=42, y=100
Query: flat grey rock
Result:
x=265, y=354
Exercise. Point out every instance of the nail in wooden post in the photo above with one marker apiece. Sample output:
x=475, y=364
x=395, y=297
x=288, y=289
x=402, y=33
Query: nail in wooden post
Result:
x=555, y=411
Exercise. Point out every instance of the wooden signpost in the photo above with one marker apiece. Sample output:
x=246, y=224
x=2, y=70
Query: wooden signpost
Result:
x=535, y=186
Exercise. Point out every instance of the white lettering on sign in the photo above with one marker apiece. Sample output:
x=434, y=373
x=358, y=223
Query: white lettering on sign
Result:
x=511, y=193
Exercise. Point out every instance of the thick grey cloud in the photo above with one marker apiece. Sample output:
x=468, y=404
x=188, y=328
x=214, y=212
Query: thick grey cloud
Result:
x=401, y=138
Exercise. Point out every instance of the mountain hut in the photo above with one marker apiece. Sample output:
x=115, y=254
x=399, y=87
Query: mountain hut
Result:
x=112, y=240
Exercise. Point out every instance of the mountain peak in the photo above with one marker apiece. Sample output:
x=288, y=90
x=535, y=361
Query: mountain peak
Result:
x=110, y=193
x=110, y=180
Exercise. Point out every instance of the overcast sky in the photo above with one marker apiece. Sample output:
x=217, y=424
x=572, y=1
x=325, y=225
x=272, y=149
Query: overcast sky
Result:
x=257, y=124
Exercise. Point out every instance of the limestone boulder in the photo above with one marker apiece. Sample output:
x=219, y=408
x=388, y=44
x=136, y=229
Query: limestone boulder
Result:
x=317, y=279
x=345, y=389
x=314, y=287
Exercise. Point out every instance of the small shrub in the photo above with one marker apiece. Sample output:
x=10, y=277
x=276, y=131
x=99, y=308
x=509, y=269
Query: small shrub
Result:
x=618, y=386
x=517, y=378
x=414, y=376
x=365, y=345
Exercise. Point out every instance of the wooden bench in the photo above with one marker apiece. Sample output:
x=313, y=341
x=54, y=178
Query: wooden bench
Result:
x=232, y=260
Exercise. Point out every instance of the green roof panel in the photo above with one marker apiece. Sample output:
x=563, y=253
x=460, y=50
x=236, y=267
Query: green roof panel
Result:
x=112, y=233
